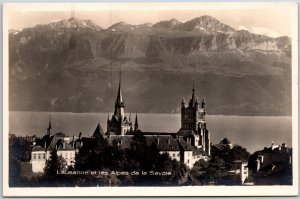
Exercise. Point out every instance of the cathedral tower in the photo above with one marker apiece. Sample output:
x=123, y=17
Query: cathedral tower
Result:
x=193, y=122
x=119, y=124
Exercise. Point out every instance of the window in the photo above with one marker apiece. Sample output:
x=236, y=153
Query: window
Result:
x=39, y=156
x=44, y=156
x=173, y=154
x=34, y=156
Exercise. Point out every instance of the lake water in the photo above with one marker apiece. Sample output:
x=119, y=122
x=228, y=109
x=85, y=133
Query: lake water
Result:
x=251, y=132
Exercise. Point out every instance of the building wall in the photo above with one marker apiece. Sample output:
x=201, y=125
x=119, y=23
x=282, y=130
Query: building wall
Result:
x=188, y=158
x=188, y=118
x=38, y=161
x=244, y=172
x=174, y=155
x=68, y=155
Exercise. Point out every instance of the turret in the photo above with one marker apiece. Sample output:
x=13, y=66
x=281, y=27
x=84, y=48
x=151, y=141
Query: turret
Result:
x=183, y=103
x=197, y=104
x=192, y=101
x=203, y=104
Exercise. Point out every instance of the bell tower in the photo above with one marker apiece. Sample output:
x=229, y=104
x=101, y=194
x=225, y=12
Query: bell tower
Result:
x=193, y=118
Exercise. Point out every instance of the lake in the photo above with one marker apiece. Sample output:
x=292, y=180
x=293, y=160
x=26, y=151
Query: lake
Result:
x=251, y=132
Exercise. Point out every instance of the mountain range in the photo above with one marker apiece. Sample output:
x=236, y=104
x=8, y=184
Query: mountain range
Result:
x=74, y=65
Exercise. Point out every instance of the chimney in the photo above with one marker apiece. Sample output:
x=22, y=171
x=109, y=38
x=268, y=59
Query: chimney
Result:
x=64, y=145
x=79, y=135
x=157, y=140
x=169, y=141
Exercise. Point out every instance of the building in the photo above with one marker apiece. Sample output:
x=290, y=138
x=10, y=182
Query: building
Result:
x=272, y=165
x=193, y=123
x=43, y=148
x=188, y=145
x=119, y=124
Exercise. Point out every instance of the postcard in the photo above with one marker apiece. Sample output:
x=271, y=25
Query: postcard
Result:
x=150, y=99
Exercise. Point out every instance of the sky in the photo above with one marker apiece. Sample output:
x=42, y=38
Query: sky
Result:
x=271, y=19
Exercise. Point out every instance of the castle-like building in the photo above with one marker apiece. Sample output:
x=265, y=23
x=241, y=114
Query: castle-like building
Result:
x=188, y=145
x=193, y=123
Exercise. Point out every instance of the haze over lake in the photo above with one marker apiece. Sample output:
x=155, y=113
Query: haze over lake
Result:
x=251, y=132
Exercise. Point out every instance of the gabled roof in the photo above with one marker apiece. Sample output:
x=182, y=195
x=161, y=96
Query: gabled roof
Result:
x=98, y=131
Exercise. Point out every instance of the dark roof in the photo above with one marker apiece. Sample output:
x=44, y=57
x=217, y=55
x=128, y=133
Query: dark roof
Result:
x=37, y=148
x=185, y=133
x=51, y=143
x=158, y=133
x=186, y=147
x=220, y=146
x=166, y=143
x=66, y=148
x=124, y=141
x=98, y=131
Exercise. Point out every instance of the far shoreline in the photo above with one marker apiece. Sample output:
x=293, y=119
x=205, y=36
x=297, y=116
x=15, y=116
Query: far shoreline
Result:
x=151, y=113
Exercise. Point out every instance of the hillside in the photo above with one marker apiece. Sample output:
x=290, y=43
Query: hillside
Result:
x=74, y=65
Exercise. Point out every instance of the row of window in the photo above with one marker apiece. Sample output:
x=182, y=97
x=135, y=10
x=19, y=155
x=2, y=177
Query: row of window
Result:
x=174, y=155
x=38, y=156
x=67, y=155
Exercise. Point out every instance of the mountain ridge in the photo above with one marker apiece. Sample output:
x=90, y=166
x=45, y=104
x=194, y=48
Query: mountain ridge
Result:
x=75, y=62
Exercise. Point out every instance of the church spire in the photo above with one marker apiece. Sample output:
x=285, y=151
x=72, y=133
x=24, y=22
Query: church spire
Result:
x=193, y=99
x=119, y=105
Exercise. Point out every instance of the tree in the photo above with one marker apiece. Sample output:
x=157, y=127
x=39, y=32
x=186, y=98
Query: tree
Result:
x=57, y=164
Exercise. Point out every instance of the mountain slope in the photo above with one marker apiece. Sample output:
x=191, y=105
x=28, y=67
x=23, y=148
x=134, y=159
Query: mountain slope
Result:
x=73, y=65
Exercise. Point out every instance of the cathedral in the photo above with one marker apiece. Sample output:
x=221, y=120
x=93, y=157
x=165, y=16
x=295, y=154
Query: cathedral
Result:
x=193, y=132
x=119, y=124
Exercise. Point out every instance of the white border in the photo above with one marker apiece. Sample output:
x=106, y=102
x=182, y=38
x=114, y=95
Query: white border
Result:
x=155, y=191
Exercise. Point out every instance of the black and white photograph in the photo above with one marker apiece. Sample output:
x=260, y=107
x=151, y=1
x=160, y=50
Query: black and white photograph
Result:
x=149, y=99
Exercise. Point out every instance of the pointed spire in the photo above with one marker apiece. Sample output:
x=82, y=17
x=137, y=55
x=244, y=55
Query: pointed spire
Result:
x=119, y=105
x=136, y=125
x=183, y=102
x=192, y=101
x=203, y=105
x=98, y=131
